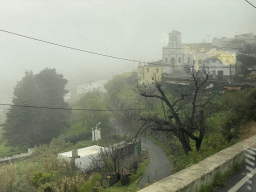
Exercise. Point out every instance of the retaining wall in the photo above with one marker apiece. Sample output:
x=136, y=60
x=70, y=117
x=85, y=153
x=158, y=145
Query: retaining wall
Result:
x=17, y=156
x=192, y=178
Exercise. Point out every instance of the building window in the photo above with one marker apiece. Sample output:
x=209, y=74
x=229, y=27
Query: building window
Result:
x=147, y=69
x=194, y=61
x=152, y=78
x=188, y=59
x=166, y=60
x=179, y=60
x=157, y=70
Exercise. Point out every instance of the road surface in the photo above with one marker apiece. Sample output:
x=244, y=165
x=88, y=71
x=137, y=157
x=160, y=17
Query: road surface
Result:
x=159, y=166
x=234, y=179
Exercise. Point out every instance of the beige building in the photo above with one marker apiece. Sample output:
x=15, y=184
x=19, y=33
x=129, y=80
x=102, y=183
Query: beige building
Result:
x=149, y=73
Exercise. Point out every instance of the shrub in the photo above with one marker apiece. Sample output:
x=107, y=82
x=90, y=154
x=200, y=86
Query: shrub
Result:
x=41, y=178
x=8, y=176
x=66, y=184
x=142, y=167
x=96, y=179
x=78, y=137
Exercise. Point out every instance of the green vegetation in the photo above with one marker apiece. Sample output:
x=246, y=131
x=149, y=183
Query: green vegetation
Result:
x=133, y=178
x=80, y=129
x=96, y=179
x=119, y=188
x=27, y=126
x=89, y=119
x=43, y=171
x=12, y=150
x=40, y=178
x=142, y=168
x=212, y=144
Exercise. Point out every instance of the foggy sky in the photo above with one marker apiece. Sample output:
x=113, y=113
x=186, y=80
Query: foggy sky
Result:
x=129, y=29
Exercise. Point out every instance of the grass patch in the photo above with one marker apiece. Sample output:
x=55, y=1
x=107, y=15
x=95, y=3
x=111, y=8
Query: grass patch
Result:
x=76, y=128
x=17, y=176
x=142, y=168
x=12, y=150
x=131, y=188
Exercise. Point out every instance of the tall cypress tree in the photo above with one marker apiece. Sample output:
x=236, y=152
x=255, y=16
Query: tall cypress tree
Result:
x=51, y=91
x=30, y=126
x=19, y=125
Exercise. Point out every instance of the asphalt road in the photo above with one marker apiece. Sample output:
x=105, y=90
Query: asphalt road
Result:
x=235, y=178
x=159, y=166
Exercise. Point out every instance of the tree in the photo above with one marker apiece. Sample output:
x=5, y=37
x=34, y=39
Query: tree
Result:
x=30, y=126
x=50, y=93
x=113, y=87
x=240, y=107
x=114, y=160
x=20, y=126
x=89, y=119
x=184, y=117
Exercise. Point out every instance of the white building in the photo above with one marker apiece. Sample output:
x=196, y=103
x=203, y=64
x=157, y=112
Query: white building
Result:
x=217, y=69
x=174, y=53
x=96, y=86
x=84, y=156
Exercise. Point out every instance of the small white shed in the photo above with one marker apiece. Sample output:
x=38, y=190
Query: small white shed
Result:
x=85, y=156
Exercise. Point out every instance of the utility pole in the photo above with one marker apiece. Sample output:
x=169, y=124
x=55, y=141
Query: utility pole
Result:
x=230, y=72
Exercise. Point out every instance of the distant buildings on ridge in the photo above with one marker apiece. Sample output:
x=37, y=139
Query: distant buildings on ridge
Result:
x=218, y=58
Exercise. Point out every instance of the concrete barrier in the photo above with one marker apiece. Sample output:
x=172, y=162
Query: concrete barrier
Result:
x=17, y=156
x=192, y=178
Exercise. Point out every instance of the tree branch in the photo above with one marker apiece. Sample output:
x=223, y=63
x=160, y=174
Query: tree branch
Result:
x=182, y=97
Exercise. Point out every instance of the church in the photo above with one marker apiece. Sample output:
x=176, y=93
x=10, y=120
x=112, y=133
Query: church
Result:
x=175, y=58
x=175, y=54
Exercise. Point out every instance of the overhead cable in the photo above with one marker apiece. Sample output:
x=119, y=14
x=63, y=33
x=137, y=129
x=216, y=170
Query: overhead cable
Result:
x=71, y=47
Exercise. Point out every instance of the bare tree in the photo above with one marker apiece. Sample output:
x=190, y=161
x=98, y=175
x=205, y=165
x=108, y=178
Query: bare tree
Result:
x=184, y=116
x=115, y=160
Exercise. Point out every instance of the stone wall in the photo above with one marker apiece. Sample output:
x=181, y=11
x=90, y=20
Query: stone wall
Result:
x=192, y=178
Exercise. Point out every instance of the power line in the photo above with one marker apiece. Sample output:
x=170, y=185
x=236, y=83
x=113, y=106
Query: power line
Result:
x=75, y=48
x=72, y=109
x=250, y=4
x=70, y=47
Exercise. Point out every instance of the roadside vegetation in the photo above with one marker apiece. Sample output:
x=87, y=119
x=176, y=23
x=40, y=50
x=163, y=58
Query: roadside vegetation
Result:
x=230, y=120
x=43, y=171
x=232, y=113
